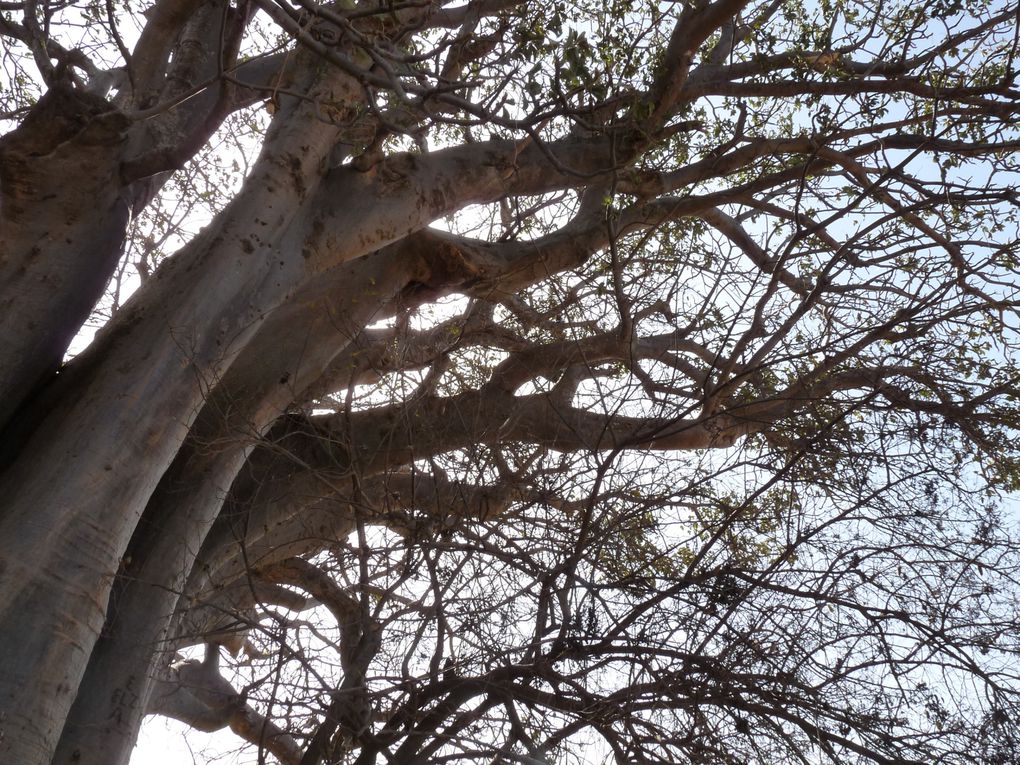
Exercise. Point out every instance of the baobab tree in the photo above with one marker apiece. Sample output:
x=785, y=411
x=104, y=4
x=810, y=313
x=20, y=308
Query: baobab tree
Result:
x=505, y=381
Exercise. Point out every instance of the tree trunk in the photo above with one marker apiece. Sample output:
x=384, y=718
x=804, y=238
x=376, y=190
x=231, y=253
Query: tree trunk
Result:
x=113, y=695
x=63, y=217
x=91, y=465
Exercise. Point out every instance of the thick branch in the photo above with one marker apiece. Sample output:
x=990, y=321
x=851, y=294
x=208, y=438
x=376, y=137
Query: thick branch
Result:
x=197, y=694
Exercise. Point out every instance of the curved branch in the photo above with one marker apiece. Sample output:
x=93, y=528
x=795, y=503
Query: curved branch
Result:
x=197, y=694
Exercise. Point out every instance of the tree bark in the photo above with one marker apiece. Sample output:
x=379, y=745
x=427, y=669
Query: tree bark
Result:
x=290, y=351
x=63, y=216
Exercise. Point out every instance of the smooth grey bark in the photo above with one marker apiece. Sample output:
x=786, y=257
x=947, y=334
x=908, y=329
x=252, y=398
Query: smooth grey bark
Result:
x=63, y=215
x=71, y=177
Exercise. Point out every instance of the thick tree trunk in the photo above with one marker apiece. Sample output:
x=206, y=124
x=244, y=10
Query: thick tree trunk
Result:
x=63, y=216
x=113, y=694
x=88, y=470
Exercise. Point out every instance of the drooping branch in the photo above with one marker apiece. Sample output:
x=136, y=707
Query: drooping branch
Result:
x=197, y=694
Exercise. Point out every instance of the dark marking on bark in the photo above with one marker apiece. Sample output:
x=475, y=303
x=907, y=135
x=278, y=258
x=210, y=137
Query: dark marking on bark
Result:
x=247, y=246
x=438, y=201
x=297, y=175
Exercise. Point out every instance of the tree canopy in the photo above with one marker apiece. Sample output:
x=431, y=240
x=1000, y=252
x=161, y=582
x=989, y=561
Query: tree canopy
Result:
x=511, y=382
